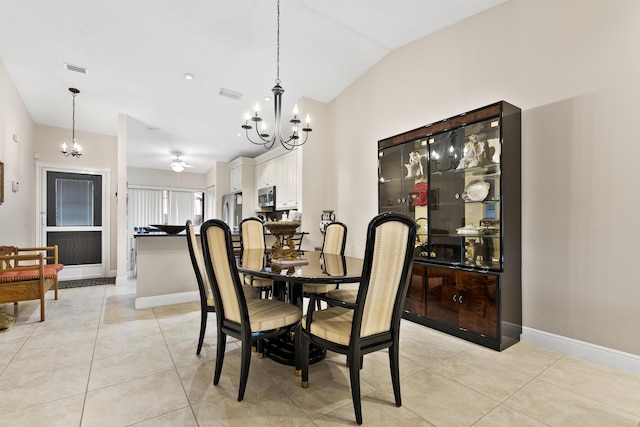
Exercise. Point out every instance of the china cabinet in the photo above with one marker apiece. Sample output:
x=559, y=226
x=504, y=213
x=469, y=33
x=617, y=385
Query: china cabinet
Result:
x=460, y=180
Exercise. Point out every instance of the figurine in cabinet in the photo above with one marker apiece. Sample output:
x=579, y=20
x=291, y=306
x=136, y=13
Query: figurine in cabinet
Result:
x=415, y=168
x=473, y=153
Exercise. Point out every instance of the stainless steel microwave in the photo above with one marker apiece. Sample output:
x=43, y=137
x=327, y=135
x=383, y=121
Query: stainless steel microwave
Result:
x=267, y=197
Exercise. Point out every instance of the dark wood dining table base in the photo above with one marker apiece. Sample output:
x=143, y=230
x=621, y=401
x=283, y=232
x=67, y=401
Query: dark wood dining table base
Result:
x=282, y=349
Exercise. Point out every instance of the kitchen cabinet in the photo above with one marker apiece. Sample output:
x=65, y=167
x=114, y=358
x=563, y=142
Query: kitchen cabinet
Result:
x=266, y=174
x=286, y=177
x=242, y=179
x=235, y=179
x=459, y=179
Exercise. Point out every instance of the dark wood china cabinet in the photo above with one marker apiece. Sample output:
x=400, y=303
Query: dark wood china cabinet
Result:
x=460, y=180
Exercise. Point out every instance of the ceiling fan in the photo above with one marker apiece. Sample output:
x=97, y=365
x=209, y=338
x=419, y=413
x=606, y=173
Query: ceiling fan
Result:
x=178, y=165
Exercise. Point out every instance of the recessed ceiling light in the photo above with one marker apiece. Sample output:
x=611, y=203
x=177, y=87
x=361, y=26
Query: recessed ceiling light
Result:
x=188, y=76
x=267, y=99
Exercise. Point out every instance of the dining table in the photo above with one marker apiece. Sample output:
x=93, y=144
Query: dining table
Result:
x=289, y=276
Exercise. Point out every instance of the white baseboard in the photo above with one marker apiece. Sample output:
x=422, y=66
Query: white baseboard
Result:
x=122, y=280
x=169, y=299
x=594, y=353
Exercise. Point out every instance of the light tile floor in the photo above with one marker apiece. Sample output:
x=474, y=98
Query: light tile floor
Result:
x=96, y=361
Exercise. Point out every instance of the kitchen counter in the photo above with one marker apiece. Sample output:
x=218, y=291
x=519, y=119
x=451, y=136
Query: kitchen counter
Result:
x=163, y=270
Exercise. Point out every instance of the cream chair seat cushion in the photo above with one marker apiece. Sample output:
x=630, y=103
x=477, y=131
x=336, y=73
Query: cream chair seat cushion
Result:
x=321, y=288
x=267, y=314
x=332, y=324
x=256, y=282
x=346, y=295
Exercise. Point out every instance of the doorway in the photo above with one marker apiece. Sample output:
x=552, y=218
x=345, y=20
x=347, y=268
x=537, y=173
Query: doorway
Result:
x=73, y=215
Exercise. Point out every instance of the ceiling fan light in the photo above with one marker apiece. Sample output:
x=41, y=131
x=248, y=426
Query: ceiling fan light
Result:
x=177, y=167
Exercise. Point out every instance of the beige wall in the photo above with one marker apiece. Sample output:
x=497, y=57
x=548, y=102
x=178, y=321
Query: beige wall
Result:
x=572, y=67
x=16, y=219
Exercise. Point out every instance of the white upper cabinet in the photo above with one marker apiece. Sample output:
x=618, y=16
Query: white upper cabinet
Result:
x=235, y=179
x=286, y=180
x=266, y=174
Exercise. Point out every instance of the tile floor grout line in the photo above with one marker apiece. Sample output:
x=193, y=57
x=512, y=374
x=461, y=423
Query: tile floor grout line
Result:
x=93, y=354
x=175, y=368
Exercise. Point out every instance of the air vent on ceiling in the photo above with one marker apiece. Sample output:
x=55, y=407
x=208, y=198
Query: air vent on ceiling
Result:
x=229, y=93
x=76, y=68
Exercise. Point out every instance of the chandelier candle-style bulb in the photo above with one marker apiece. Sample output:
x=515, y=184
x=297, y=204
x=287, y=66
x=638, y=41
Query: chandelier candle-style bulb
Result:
x=264, y=139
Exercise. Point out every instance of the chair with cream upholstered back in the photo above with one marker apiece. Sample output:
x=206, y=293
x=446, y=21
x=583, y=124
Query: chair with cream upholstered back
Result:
x=248, y=320
x=373, y=322
x=206, y=298
x=335, y=240
x=252, y=237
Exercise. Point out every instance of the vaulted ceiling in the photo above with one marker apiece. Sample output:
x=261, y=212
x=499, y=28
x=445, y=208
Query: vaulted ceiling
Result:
x=137, y=53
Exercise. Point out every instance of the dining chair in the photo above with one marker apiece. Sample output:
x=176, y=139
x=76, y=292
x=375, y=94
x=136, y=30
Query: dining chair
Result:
x=373, y=322
x=252, y=237
x=207, y=304
x=335, y=240
x=248, y=320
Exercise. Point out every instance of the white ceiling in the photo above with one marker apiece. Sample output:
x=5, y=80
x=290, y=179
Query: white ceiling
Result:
x=137, y=52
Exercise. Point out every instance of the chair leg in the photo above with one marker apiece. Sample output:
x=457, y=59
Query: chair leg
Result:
x=298, y=349
x=304, y=359
x=222, y=343
x=203, y=327
x=354, y=375
x=260, y=349
x=244, y=367
x=395, y=371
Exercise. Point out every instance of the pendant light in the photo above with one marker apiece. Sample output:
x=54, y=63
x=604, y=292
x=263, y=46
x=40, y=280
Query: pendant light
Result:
x=266, y=140
x=75, y=147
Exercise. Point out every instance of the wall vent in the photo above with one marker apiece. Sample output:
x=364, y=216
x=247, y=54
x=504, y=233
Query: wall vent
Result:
x=76, y=68
x=229, y=93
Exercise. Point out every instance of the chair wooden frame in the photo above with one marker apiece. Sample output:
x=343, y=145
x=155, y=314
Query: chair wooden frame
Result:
x=271, y=312
x=359, y=345
x=25, y=274
x=197, y=261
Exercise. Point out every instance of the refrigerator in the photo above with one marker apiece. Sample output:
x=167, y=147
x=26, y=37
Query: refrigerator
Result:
x=232, y=210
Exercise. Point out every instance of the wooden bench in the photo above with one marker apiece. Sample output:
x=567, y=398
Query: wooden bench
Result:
x=25, y=274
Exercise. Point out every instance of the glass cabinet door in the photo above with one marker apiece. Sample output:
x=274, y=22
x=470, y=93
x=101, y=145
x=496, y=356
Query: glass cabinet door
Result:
x=464, y=167
x=402, y=185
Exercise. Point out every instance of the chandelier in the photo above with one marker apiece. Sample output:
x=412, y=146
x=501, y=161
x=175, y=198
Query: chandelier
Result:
x=264, y=138
x=75, y=147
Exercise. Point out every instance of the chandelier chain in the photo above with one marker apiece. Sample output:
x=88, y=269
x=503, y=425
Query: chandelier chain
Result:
x=73, y=120
x=278, y=47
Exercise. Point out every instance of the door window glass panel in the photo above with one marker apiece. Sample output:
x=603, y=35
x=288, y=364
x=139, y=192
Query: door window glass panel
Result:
x=74, y=203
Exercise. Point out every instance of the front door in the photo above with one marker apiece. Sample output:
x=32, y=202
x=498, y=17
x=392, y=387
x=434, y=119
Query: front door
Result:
x=73, y=216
